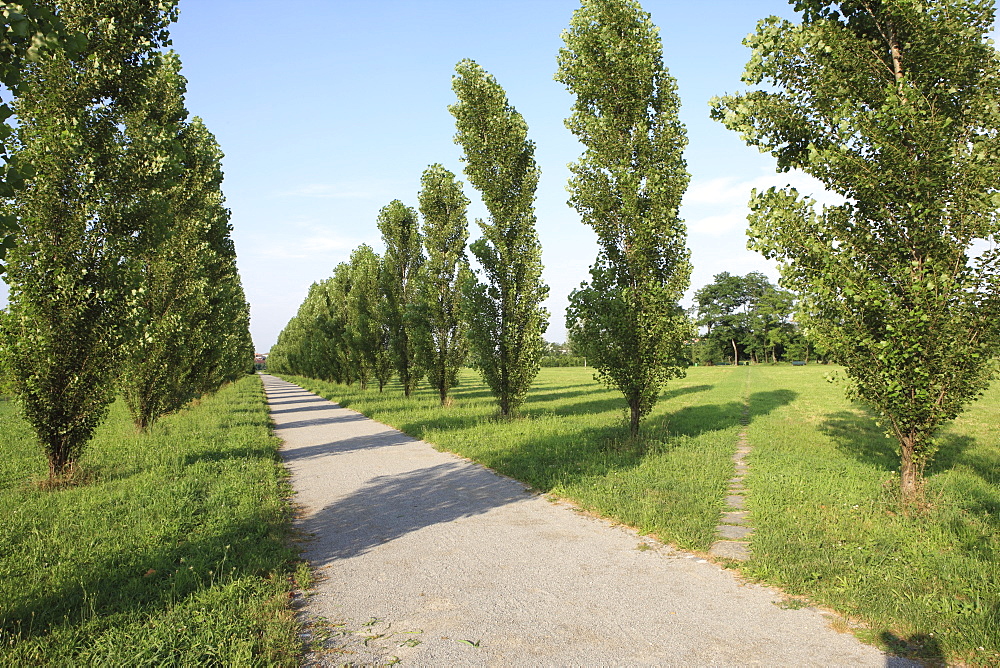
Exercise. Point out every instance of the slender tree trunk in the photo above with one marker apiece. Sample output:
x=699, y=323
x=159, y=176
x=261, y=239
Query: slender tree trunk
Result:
x=909, y=471
x=634, y=419
x=736, y=355
x=59, y=460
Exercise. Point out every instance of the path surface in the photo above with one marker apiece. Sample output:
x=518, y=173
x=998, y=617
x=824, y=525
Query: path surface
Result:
x=436, y=561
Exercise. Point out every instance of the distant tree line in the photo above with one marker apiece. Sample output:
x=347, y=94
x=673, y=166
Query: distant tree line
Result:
x=748, y=318
x=121, y=269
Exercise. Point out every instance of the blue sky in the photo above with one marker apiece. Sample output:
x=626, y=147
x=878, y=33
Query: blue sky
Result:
x=329, y=109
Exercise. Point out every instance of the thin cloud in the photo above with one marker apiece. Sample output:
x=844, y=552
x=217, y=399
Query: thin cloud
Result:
x=330, y=191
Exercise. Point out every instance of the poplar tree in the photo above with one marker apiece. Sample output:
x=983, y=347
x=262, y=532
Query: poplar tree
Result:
x=400, y=229
x=505, y=317
x=442, y=346
x=69, y=268
x=893, y=105
x=364, y=314
x=627, y=186
x=169, y=279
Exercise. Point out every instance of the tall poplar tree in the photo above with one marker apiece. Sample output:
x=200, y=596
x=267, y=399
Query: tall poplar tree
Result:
x=400, y=229
x=170, y=283
x=628, y=186
x=893, y=105
x=441, y=330
x=69, y=269
x=505, y=316
x=364, y=313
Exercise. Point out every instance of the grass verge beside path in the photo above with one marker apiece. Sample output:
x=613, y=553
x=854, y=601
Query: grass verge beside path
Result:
x=824, y=500
x=172, y=551
x=822, y=487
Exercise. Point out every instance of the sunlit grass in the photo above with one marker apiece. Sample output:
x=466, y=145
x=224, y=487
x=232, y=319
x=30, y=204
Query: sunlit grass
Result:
x=824, y=498
x=171, y=550
x=821, y=488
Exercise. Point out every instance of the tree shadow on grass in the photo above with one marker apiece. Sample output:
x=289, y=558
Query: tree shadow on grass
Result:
x=921, y=646
x=564, y=458
x=697, y=420
x=857, y=435
x=977, y=492
x=616, y=401
x=121, y=581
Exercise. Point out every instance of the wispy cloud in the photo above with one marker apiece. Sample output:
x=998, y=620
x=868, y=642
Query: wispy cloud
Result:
x=717, y=207
x=732, y=190
x=303, y=240
x=332, y=191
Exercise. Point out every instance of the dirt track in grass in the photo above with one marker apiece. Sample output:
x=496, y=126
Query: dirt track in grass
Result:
x=433, y=560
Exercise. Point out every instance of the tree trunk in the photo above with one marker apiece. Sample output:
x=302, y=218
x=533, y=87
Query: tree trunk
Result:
x=910, y=478
x=633, y=425
x=736, y=355
x=59, y=461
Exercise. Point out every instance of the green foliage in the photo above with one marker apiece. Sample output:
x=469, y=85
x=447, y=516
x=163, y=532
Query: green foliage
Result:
x=69, y=272
x=366, y=333
x=504, y=313
x=316, y=340
x=400, y=229
x=745, y=316
x=627, y=186
x=439, y=325
x=340, y=331
x=893, y=106
x=29, y=31
x=174, y=552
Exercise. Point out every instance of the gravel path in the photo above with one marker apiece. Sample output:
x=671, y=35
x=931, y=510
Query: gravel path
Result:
x=435, y=561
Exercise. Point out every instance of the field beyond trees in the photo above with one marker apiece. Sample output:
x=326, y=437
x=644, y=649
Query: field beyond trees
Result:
x=823, y=487
x=170, y=549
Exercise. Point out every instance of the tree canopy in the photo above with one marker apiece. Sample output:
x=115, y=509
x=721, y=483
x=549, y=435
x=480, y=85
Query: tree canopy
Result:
x=892, y=105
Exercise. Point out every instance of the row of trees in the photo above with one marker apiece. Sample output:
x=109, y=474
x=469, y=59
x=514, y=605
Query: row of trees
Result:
x=122, y=272
x=420, y=307
x=892, y=104
x=627, y=186
x=398, y=314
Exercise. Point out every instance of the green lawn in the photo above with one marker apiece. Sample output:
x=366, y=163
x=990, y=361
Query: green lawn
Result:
x=173, y=552
x=821, y=489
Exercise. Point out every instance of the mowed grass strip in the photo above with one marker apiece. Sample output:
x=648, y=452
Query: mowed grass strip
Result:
x=171, y=550
x=824, y=500
x=822, y=487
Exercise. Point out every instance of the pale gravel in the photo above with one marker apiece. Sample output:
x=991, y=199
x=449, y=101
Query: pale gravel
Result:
x=423, y=555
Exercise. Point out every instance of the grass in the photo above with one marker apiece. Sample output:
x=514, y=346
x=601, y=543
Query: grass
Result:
x=821, y=488
x=823, y=495
x=173, y=550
